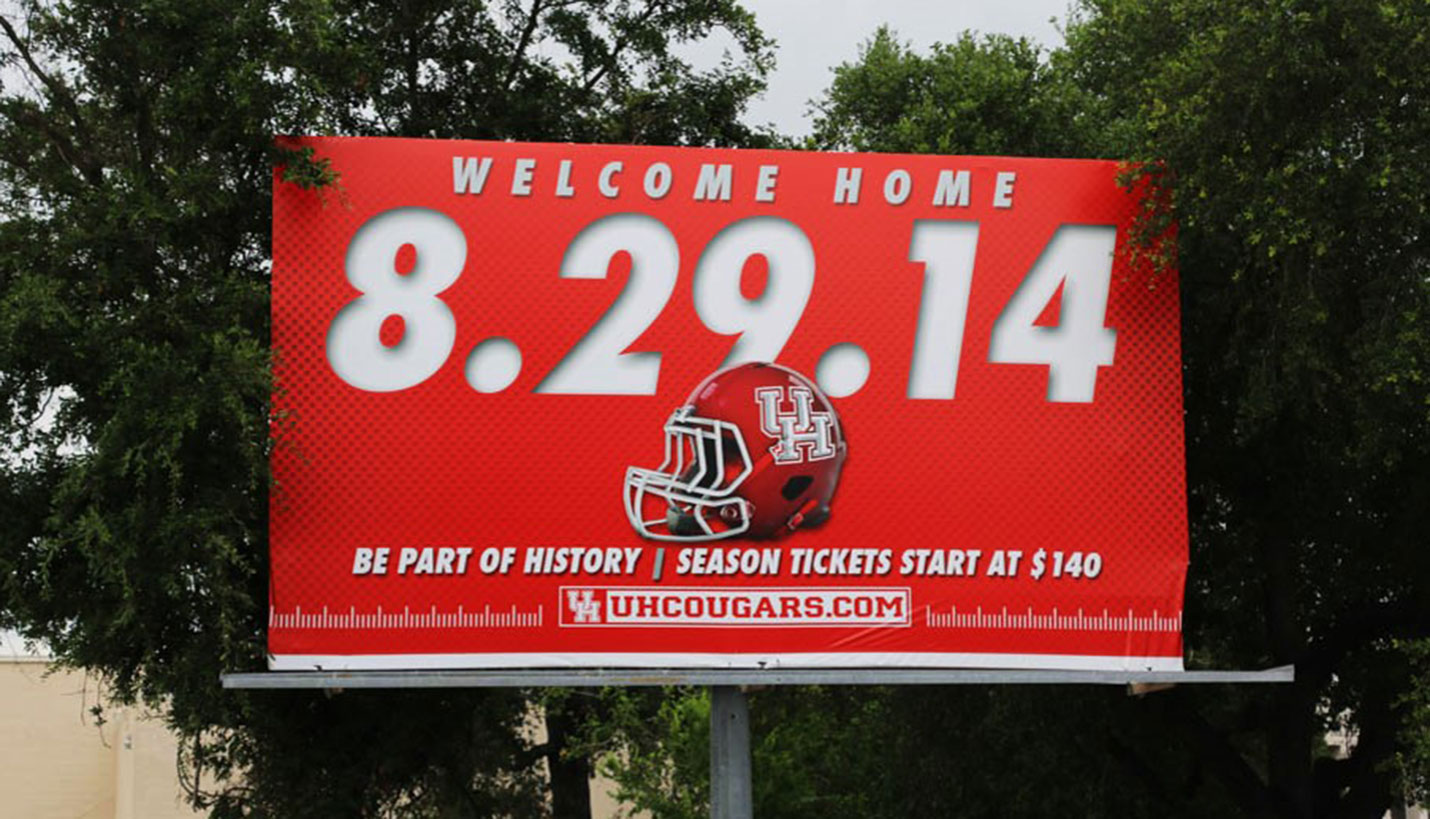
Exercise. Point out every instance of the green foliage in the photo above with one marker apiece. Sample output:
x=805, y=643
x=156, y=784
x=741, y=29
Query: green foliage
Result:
x=556, y=70
x=815, y=751
x=416, y=753
x=655, y=744
x=924, y=751
x=1412, y=759
x=1290, y=138
x=818, y=751
x=136, y=159
x=978, y=95
x=1044, y=751
x=1294, y=134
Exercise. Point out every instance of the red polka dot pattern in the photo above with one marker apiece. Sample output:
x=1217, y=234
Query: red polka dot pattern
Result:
x=998, y=468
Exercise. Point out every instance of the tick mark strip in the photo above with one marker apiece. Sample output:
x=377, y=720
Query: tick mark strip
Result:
x=407, y=619
x=1053, y=621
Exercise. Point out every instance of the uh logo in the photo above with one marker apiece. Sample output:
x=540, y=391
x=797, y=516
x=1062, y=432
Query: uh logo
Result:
x=584, y=606
x=802, y=434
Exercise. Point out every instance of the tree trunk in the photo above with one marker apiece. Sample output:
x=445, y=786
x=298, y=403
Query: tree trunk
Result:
x=1289, y=729
x=570, y=773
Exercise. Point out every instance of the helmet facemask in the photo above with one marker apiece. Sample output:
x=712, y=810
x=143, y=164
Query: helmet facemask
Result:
x=706, y=461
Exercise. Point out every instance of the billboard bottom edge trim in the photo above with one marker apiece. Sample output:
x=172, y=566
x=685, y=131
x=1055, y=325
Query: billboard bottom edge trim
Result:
x=389, y=662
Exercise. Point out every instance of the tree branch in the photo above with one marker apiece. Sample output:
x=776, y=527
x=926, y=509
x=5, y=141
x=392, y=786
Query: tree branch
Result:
x=1365, y=783
x=61, y=94
x=1222, y=757
x=1135, y=764
x=61, y=143
x=620, y=46
x=536, y=753
x=522, y=43
x=1398, y=619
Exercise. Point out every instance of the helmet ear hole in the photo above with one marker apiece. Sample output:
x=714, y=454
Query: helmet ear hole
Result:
x=796, y=486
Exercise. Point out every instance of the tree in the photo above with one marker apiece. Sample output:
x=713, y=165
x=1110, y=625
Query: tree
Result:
x=136, y=157
x=1290, y=138
x=1293, y=137
x=977, y=95
x=933, y=751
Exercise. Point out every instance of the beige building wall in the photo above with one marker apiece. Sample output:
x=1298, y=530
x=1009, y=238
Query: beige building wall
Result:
x=603, y=804
x=56, y=764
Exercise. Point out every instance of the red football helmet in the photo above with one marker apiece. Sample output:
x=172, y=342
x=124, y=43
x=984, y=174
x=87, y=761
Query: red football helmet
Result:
x=755, y=452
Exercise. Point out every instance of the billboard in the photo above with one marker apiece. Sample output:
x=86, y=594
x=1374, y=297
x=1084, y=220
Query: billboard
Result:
x=544, y=405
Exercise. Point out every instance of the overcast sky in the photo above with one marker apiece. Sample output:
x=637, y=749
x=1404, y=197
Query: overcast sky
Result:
x=816, y=35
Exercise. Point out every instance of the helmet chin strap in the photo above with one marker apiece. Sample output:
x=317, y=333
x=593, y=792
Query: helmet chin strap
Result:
x=815, y=517
x=682, y=523
x=808, y=515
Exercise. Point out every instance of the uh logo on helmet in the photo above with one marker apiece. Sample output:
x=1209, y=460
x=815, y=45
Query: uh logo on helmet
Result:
x=755, y=452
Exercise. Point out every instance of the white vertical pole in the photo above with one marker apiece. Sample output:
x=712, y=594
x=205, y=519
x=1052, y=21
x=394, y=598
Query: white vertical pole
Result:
x=124, y=765
x=731, y=796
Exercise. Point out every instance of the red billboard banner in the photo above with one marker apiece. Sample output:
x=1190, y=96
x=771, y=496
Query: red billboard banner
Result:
x=548, y=405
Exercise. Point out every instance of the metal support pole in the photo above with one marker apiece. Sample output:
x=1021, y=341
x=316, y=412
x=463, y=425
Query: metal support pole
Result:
x=731, y=796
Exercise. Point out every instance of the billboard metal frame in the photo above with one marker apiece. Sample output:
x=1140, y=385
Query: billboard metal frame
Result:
x=584, y=677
